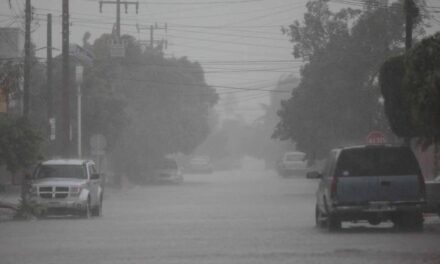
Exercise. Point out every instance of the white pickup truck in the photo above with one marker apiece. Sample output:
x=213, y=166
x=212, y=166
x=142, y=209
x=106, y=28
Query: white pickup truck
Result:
x=67, y=186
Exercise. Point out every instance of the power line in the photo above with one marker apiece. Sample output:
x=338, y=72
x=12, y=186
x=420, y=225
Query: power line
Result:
x=203, y=86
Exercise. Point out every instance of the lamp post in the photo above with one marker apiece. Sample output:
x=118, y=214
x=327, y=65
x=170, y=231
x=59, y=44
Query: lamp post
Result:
x=79, y=80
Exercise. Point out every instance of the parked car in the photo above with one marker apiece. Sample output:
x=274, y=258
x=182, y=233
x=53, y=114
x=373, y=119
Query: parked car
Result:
x=168, y=171
x=373, y=183
x=292, y=163
x=67, y=186
x=199, y=164
x=433, y=196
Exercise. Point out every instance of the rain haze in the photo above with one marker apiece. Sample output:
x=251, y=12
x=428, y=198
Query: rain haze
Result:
x=219, y=131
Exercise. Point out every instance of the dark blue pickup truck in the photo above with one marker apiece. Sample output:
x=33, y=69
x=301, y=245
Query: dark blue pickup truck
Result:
x=374, y=183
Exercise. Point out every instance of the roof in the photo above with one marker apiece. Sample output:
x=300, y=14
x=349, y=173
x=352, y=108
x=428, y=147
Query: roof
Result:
x=66, y=162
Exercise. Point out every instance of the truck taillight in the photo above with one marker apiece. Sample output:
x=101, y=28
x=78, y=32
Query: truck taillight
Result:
x=422, y=186
x=333, y=187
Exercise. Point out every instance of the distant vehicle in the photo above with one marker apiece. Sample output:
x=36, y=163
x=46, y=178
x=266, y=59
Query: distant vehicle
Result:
x=374, y=183
x=168, y=171
x=433, y=196
x=67, y=186
x=292, y=163
x=199, y=164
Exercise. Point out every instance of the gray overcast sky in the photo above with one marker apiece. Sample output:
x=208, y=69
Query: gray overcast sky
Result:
x=230, y=38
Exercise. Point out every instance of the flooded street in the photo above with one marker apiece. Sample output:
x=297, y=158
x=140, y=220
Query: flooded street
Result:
x=247, y=216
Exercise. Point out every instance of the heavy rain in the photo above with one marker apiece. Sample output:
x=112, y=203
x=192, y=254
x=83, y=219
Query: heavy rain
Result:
x=219, y=131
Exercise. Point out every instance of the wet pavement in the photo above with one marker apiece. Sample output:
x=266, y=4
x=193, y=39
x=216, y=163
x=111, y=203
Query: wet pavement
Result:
x=247, y=216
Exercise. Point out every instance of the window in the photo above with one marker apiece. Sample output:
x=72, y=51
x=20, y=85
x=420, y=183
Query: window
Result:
x=294, y=156
x=61, y=171
x=377, y=162
x=92, y=169
x=330, y=164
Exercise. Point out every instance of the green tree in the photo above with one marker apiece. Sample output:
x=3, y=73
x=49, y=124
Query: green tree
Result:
x=337, y=101
x=166, y=103
x=410, y=86
x=397, y=110
x=19, y=143
x=421, y=87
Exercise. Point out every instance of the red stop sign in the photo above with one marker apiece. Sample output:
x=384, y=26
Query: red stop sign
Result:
x=376, y=137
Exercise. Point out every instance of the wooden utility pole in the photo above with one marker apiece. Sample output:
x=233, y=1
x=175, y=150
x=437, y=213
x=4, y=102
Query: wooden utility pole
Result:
x=118, y=18
x=411, y=12
x=152, y=29
x=65, y=126
x=49, y=100
x=27, y=58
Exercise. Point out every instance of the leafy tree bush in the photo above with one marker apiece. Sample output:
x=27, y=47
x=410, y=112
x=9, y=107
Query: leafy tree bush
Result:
x=161, y=105
x=421, y=87
x=20, y=146
x=19, y=143
x=337, y=101
x=410, y=84
x=397, y=111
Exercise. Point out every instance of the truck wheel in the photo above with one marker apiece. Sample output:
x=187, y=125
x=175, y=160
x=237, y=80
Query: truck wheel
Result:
x=409, y=221
x=42, y=215
x=86, y=212
x=374, y=221
x=320, y=223
x=333, y=223
x=414, y=222
x=97, y=210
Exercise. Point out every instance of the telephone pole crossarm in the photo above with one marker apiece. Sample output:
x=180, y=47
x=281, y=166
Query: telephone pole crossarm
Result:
x=118, y=4
x=125, y=3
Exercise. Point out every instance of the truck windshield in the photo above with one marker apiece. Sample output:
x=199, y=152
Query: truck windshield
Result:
x=61, y=171
x=377, y=162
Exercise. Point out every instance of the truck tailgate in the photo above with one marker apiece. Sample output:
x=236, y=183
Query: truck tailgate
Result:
x=364, y=189
x=357, y=190
x=399, y=188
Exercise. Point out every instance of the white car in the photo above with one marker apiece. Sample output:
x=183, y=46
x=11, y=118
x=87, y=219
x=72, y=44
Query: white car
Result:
x=199, y=164
x=168, y=171
x=67, y=186
x=292, y=163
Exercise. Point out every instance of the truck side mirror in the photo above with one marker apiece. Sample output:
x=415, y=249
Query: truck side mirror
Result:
x=95, y=176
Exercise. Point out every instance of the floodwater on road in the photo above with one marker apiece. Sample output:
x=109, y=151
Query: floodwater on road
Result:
x=243, y=216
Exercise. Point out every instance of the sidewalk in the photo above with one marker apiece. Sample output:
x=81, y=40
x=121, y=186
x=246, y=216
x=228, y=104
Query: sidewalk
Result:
x=10, y=195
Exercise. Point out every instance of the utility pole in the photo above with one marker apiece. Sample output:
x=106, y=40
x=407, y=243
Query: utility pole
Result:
x=118, y=4
x=27, y=58
x=117, y=50
x=79, y=79
x=66, y=78
x=49, y=98
x=411, y=12
x=49, y=68
x=151, y=36
x=152, y=29
x=118, y=19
